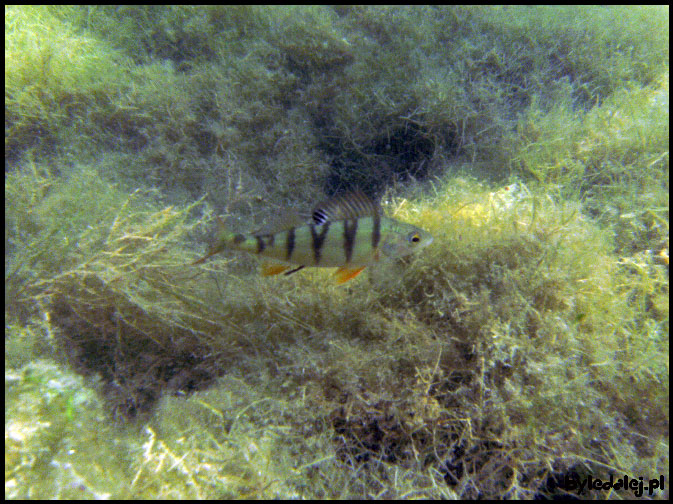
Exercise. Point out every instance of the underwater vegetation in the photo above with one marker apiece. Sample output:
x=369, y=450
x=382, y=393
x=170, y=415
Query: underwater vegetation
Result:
x=527, y=343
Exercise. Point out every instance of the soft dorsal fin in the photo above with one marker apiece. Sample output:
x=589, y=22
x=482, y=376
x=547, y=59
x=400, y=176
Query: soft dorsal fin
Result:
x=345, y=206
x=287, y=219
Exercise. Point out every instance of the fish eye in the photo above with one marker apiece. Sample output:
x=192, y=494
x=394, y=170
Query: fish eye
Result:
x=415, y=238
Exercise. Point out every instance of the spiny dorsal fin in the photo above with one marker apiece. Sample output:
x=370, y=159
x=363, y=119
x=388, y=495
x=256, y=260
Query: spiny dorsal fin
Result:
x=345, y=206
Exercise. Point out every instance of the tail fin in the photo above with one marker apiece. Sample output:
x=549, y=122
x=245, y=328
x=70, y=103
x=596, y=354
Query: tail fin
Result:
x=203, y=259
x=218, y=246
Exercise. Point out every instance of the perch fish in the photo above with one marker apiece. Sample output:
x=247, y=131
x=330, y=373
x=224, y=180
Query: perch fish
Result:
x=348, y=232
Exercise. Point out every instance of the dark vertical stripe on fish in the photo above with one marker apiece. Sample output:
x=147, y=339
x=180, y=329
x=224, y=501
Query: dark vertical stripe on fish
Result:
x=350, y=230
x=289, y=243
x=260, y=244
x=376, y=231
x=317, y=240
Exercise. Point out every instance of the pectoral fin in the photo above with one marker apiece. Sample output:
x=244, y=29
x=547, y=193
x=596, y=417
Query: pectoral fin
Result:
x=274, y=269
x=344, y=274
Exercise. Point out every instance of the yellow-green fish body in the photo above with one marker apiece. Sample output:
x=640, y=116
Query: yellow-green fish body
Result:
x=347, y=232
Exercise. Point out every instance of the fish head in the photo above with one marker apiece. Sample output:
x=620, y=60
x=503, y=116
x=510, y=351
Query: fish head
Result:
x=403, y=239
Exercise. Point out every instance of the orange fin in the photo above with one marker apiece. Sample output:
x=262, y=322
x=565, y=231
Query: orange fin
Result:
x=345, y=274
x=274, y=269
